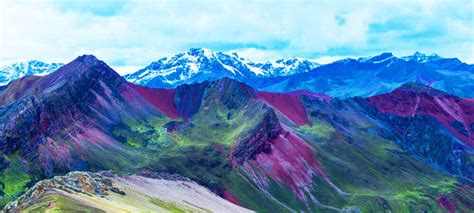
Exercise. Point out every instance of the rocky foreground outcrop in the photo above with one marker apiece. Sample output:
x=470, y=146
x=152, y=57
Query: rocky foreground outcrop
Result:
x=109, y=192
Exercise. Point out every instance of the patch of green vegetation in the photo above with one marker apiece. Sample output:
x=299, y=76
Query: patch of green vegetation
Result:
x=286, y=195
x=375, y=173
x=200, y=151
x=210, y=126
x=377, y=176
x=57, y=203
x=144, y=133
x=368, y=203
x=195, y=151
x=205, y=165
x=249, y=195
x=318, y=128
x=409, y=195
x=326, y=194
x=14, y=179
x=444, y=186
x=170, y=206
x=223, y=126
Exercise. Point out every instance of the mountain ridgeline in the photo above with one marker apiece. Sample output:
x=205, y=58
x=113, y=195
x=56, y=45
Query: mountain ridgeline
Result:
x=408, y=150
x=345, y=78
x=199, y=64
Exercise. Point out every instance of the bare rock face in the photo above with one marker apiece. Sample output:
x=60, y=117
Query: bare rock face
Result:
x=79, y=182
x=258, y=140
x=108, y=192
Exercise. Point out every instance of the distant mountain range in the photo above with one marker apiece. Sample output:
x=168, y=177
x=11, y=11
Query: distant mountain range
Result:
x=408, y=150
x=15, y=70
x=345, y=78
x=379, y=74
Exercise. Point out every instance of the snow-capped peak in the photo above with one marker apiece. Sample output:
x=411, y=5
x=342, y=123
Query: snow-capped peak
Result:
x=13, y=70
x=283, y=67
x=200, y=52
x=422, y=58
x=198, y=64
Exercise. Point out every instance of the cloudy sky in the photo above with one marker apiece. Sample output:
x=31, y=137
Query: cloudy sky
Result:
x=131, y=33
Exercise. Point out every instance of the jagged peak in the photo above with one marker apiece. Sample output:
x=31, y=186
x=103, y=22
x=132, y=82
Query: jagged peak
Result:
x=84, y=70
x=419, y=54
x=85, y=67
x=421, y=57
x=87, y=59
x=86, y=62
x=82, y=64
x=200, y=52
x=294, y=60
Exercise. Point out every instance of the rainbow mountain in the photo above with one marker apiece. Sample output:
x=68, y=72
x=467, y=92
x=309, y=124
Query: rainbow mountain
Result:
x=407, y=150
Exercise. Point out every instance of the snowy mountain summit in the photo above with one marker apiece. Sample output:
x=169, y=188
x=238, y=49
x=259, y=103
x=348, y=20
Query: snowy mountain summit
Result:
x=13, y=70
x=200, y=64
x=422, y=58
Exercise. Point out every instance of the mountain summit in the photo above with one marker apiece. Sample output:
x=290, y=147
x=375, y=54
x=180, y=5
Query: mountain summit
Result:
x=200, y=64
x=85, y=71
x=423, y=58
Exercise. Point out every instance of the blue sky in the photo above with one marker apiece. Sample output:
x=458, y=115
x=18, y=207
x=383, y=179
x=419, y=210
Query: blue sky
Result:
x=132, y=33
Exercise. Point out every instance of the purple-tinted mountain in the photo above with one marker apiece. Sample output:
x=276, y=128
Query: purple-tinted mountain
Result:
x=407, y=150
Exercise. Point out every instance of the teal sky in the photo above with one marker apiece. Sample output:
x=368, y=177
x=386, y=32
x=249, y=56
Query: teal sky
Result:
x=130, y=33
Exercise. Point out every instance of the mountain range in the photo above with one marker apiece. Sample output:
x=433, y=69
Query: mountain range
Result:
x=199, y=64
x=407, y=150
x=380, y=74
x=15, y=70
x=345, y=78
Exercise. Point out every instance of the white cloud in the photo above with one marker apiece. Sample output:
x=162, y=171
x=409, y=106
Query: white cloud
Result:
x=143, y=31
x=258, y=55
x=329, y=59
x=123, y=70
